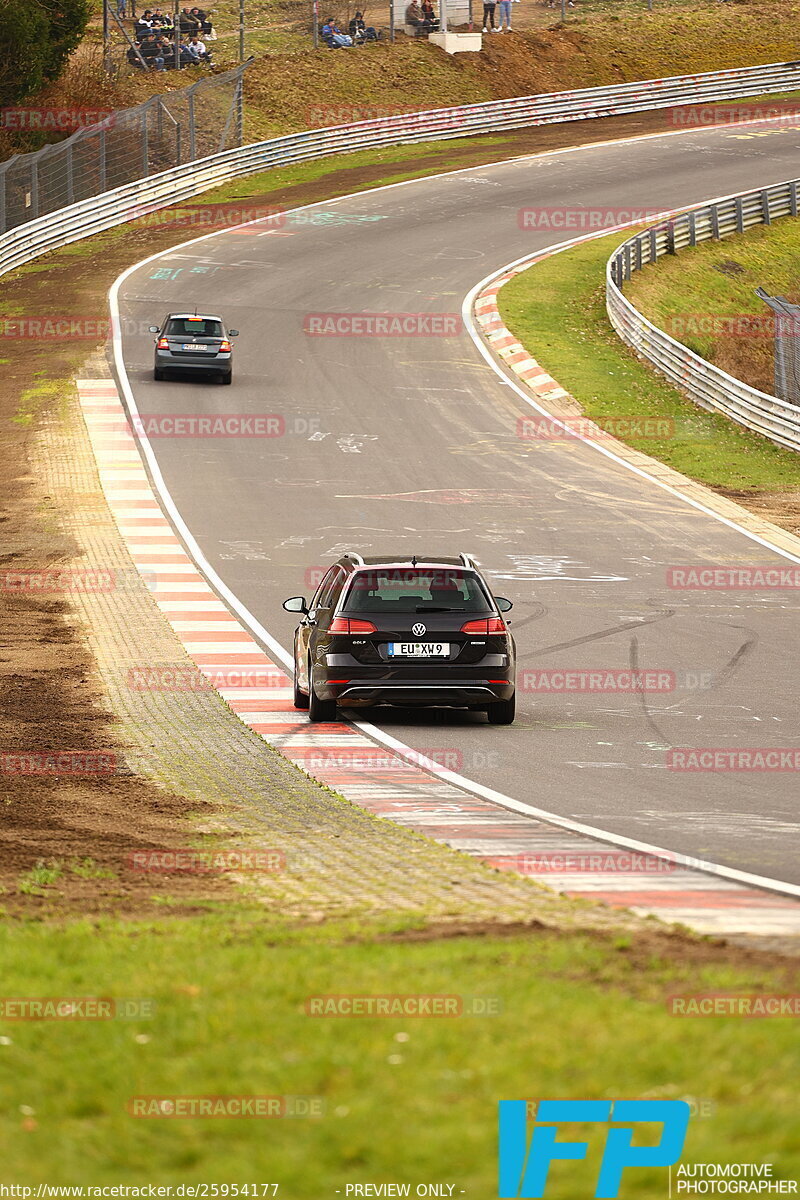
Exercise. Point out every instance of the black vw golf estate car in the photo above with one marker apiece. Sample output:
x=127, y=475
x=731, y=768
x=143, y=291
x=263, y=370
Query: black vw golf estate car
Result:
x=403, y=631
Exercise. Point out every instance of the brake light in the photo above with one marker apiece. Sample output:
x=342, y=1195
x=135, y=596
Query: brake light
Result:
x=349, y=625
x=163, y=344
x=487, y=625
x=225, y=345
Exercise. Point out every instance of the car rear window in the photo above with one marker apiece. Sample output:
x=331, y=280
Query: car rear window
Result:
x=409, y=589
x=190, y=327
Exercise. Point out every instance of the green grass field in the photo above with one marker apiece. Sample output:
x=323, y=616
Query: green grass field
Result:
x=405, y=1098
x=557, y=310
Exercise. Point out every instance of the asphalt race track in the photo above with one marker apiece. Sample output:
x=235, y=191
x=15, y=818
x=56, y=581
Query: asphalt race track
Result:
x=410, y=445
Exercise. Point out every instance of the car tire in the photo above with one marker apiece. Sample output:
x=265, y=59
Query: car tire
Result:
x=227, y=378
x=502, y=711
x=300, y=698
x=319, y=710
x=158, y=375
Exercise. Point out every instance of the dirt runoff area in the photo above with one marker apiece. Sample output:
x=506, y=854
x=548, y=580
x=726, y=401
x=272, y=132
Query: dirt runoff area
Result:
x=66, y=837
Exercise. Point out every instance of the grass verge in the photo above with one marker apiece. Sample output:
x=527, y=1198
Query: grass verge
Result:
x=557, y=310
x=574, y=1015
x=684, y=294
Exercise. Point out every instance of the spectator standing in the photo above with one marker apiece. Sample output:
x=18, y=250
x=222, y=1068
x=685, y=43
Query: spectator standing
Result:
x=488, y=16
x=121, y=9
x=504, y=15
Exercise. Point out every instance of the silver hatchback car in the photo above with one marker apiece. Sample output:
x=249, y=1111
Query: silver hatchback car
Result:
x=190, y=342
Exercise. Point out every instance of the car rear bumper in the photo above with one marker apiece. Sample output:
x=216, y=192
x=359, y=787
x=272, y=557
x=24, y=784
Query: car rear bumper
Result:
x=458, y=693
x=217, y=363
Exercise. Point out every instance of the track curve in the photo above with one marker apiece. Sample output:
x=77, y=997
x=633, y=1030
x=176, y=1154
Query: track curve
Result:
x=418, y=452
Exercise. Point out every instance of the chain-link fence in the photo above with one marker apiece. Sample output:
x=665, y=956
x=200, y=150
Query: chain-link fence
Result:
x=787, y=346
x=165, y=131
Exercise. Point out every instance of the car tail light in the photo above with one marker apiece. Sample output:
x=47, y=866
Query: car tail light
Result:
x=486, y=625
x=348, y=625
x=163, y=343
x=225, y=345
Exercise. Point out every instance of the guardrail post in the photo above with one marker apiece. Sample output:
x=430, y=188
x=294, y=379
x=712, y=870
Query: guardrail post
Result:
x=793, y=198
x=626, y=258
x=739, y=215
x=638, y=245
x=715, y=222
x=692, y=229
x=653, y=245
x=765, y=207
x=670, y=237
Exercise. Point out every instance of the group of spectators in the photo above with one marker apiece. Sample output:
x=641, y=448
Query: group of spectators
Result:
x=422, y=17
x=359, y=32
x=162, y=45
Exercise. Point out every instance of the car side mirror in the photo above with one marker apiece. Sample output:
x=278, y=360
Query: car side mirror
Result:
x=153, y=329
x=503, y=605
x=295, y=604
x=233, y=333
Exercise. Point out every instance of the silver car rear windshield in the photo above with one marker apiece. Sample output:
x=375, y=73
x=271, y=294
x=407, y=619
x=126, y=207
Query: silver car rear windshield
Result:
x=410, y=589
x=190, y=327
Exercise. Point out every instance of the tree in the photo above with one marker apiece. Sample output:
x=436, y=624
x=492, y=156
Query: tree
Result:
x=36, y=39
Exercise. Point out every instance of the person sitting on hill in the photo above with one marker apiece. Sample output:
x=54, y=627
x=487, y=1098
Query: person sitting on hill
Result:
x=360, y=31
x=415, y=19
x=202, y=16
x=143, y=25
x=187, y=23
x=151, y=52
x=197, y=50
x=429, y=18
x=333, y=35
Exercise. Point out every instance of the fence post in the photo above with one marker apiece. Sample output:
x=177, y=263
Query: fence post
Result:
x=240, y=111
x=2, y=199
x=191, y=127
x=102, y=159
x=391, y=21
x=70, y=175
x=145, y=146
x=178, y=144
x=35, y=187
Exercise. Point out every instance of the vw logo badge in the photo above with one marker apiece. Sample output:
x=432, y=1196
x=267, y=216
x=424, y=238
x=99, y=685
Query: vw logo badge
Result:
x=418, y=629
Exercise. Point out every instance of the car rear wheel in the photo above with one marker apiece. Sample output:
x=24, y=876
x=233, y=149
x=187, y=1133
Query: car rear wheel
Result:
x=320, y=710
x=226, y=378
x=502, y=711
x=158, y=374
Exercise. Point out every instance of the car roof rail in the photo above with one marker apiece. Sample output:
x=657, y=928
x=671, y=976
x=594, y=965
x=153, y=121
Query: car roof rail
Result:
x=468, y=561
x=356, y=557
